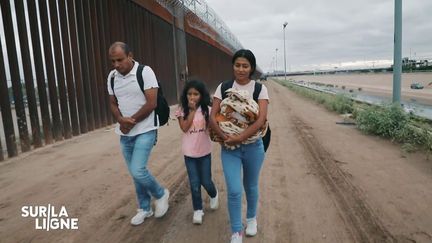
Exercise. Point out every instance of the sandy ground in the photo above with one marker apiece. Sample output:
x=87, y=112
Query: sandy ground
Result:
x=321, y=182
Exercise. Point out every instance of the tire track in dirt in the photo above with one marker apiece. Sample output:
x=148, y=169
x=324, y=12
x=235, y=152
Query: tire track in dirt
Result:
x=275, y=229
x=287, y=186
x=358, y=216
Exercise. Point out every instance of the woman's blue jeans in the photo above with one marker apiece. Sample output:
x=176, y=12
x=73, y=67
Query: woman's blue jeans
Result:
x=250, y=157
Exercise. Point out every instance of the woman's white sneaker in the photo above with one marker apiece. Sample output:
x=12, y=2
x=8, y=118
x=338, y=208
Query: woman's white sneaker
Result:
x=214, y=201
x=251, y=227
x=140, y=216
x=198, y=217
x=162, y=205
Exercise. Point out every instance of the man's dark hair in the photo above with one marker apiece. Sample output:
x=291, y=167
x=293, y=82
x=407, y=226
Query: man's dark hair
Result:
x=122, y=45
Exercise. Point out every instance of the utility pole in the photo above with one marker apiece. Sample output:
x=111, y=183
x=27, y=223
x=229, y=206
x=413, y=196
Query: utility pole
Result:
x=284, y=25
x=397, y=57
x=276, y=61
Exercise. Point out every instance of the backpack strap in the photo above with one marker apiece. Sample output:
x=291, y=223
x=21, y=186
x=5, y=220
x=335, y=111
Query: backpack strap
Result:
x=112, y=82
x=257, y=91
x=139, y=76
x=155, y=121
x=225, y=86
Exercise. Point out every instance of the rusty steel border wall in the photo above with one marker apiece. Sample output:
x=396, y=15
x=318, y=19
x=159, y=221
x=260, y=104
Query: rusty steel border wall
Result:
x=54, y=62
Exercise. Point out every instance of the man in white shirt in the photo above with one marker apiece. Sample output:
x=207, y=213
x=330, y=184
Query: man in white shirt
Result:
x=134, y=111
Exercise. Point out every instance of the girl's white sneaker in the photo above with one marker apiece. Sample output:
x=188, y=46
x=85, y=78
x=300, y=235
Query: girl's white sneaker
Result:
x=214, y=201
x=198, y=217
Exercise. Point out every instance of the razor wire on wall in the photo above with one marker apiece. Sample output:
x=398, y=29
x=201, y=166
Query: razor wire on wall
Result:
x=206, y=16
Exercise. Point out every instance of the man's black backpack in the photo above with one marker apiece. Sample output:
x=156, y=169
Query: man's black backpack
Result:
x=162, y=109
x=257, y=90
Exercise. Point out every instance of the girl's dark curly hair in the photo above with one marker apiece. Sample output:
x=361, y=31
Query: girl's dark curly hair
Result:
x=204, y=102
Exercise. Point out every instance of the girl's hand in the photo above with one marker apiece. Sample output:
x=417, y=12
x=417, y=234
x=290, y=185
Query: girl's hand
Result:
x=233, y=140
x=192, y=105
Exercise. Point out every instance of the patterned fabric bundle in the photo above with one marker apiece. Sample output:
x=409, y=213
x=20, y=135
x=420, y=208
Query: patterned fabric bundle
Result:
x=238, y=112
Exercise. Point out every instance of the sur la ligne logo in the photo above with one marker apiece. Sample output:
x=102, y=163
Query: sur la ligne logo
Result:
x=50, y=217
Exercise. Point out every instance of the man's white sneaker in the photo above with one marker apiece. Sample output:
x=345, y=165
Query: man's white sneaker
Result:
x=140, y=216
x=237, y=238
x=198, y=216
x=251, y=227
x=162, y=204
x=214, y=201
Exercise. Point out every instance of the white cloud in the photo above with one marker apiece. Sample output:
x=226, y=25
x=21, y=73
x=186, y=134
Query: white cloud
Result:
x=322, y=33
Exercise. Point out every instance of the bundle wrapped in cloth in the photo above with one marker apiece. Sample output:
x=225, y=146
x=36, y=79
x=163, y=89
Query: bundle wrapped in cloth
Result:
x=238, y=111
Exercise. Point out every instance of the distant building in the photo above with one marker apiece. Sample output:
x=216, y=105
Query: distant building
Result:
x=414, y=64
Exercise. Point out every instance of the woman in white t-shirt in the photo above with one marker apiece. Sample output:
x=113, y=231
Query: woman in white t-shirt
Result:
x=249, y=156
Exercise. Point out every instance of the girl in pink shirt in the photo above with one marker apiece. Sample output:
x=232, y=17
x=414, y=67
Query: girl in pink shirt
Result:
x=193, y=116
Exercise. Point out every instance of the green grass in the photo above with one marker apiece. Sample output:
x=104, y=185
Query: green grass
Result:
x=339, y=103
x=388, y=121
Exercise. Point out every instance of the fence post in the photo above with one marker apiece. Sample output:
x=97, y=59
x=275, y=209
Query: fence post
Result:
x=28, y=75
x=6, y=112
x=67, y=133
x=76, y=60
x=91, y=63
x=49, y=64
x=180, y=48
x=68, y=68
x=15, y=76
x=40, y=76
x=84, y=63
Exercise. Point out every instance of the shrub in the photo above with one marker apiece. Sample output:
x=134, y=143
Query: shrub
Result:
x=342, y=104
x=389, y=121
x=385, y=121
x=392, y=122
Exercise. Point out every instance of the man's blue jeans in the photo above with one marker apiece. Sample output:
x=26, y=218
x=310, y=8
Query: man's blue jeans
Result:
x=199, y=172
x=250, y=157
x=136, y=151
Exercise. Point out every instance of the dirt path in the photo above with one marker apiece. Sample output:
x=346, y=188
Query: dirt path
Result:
x=321, y=182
